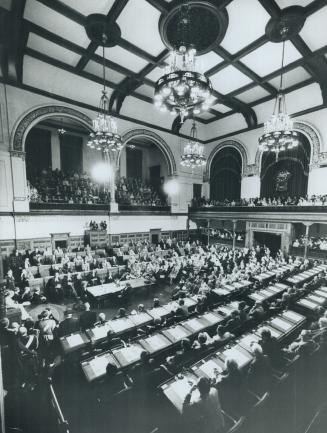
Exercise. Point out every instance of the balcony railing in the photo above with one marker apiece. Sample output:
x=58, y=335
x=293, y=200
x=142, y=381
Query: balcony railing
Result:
x=256, y=209
x=96, y=207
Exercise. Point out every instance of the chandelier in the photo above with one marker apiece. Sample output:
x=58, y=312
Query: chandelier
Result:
x=61, y=130
x=105, y=135
x=193, y=154
x=182, y=89
x=279, y=134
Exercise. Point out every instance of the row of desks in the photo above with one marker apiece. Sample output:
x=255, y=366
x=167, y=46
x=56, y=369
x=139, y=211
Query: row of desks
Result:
x=232, y=288
x=305, y=276
x=95, y=368
x=316, y=299
x=269, y=292
x=104, y=290
x=78, y=340
x=176, y=389
x=266, y=276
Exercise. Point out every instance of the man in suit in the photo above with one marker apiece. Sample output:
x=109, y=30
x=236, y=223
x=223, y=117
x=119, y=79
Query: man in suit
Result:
x=69, y=325
x=88, y=318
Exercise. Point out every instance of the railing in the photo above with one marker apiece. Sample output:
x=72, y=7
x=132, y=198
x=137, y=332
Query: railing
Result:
x=312, y=253
x=96, y=207
x=259, y=209
x=60, y=425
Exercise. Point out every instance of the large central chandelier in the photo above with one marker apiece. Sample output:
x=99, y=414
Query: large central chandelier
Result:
x=182, y=90
x=193, y=153
x=279, y=134
x=105, y=135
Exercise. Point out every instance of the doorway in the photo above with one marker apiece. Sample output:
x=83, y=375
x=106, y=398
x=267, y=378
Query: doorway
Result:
x=270, y=240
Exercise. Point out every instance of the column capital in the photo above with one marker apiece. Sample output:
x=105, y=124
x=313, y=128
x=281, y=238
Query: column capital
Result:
x=307, y=224
x=17, y=154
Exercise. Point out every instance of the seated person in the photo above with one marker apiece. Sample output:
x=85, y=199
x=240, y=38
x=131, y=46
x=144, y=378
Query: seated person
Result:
x=113, y=383
x=156, y=303
x=302, y=346
x=203, y=407
x=271, y=348
x=87, y=318
x=260, y=373
x=232, y=388
x=202, y=342
x=101, y=320
x=222, y=336
x=121, y=313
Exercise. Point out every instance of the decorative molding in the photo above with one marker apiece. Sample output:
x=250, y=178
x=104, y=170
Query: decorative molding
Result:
x=236, y=144
x=29, y=120
x=163, y=146
x=17, y=154
x=317, y=158
x=250, y=170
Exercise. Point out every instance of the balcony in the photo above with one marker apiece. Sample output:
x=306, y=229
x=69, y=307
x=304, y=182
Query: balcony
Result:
x=313, y=214
x=67, y=208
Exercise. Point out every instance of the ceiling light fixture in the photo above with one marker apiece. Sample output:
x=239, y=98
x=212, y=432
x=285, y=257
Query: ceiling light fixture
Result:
x=182, y=90
x=193, y=154
x=279, y=134
x=61, y=130
x=105, y=135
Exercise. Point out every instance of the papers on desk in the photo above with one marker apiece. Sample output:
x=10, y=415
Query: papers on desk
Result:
x=195, y=324
x=178, y=332
x=211, y=318
x=225, y=310
x=140, y=318
x=119, y=325
x=274, y=289
x=99, y=365
x=181, y=387
x=210, y=368
x=74, y=340
x=308, y=304
x=100, y=332
x=257, y=297
x=247, y=340
x=266, y=293
x=238, y=356
x=158, y=312
x=317, y=299
x=321, y=293
x=282, y=324
x=130, y=354
x=294, y=317
x=157, y=342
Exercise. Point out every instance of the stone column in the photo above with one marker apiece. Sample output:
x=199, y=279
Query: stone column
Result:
x=234, y=234
x=19, y=181
x=208, y=234
x=307, y=227
x=112, y=159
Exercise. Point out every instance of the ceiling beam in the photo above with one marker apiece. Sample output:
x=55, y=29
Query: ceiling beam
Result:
x=160, y=5
x=112, y=16
x=13, y=46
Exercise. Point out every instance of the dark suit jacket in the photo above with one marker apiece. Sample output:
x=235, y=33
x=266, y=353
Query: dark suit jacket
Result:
x=68, y=326
x=87, y=320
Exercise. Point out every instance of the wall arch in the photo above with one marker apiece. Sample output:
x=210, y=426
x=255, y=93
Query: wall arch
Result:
x=162, y=145
x=36, y=115
x=311, y=134
x=236, y=144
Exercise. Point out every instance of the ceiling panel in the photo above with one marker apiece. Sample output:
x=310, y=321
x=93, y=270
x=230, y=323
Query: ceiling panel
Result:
x=139, y=25
x=87, y=7
x=221, y=108
x=205, y=115
x=229, y=79
x=253, y=94
x=56, y=23
x=286, y=3
x=268, y=57
x=314, y=31
x=123, y=58
x=96, y=69
x=247, y=22
x=51, y=79
x=145, y=90
x=292, y=77
x=207, y=61
x=52, y=50
x=155, y=74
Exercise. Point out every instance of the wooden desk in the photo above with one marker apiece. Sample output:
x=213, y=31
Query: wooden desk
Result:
x=155, y=343
x=98, y=333
x=95, y=368
x=159, y=312
x=140, y=319
x=177, y=388
x=73, y=342
x=176, y=333
x=195, y=324
x=211, y=367
x=238, y=353
x=119, y=326
x=127, y=356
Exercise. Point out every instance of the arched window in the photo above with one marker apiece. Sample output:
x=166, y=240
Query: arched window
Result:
x=288, y=176
x=226, y=174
